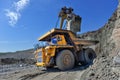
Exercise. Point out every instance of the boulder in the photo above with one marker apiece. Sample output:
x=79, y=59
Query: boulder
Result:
x=116, y=60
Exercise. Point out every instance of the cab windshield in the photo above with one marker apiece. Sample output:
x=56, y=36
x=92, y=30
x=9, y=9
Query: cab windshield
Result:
x=41, y=44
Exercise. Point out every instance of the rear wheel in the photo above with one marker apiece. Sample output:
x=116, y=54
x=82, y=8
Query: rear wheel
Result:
x=65, y=60
x=89, y=55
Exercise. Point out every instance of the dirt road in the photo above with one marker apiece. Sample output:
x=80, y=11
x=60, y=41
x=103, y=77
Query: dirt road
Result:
x=33, y=73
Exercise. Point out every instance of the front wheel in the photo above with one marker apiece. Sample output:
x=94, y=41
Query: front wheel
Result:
x=65, y=60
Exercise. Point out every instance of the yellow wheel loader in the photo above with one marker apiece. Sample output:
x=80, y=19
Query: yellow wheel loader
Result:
x=61, y=47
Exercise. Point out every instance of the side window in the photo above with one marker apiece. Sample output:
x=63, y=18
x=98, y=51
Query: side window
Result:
x=54, y=40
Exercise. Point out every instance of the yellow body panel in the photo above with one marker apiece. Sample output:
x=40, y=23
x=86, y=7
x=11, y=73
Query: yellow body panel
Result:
x=50, y=50
x=61, y=40
x=40, y=64
x=46, y=54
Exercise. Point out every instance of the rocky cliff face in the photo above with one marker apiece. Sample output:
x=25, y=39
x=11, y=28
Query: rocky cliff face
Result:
x=107, y=64
x=103, y=35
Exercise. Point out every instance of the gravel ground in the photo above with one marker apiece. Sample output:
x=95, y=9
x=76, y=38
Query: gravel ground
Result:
x=30, y=72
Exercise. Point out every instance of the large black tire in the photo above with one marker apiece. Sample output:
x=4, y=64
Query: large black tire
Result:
x=65, y=60
x=89, y=55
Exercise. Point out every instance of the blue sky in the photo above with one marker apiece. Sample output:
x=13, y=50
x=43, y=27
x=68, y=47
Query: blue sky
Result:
x=22, y=22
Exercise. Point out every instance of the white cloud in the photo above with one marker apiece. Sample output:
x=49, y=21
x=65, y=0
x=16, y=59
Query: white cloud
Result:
x=20, y=4
x=13, y=16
